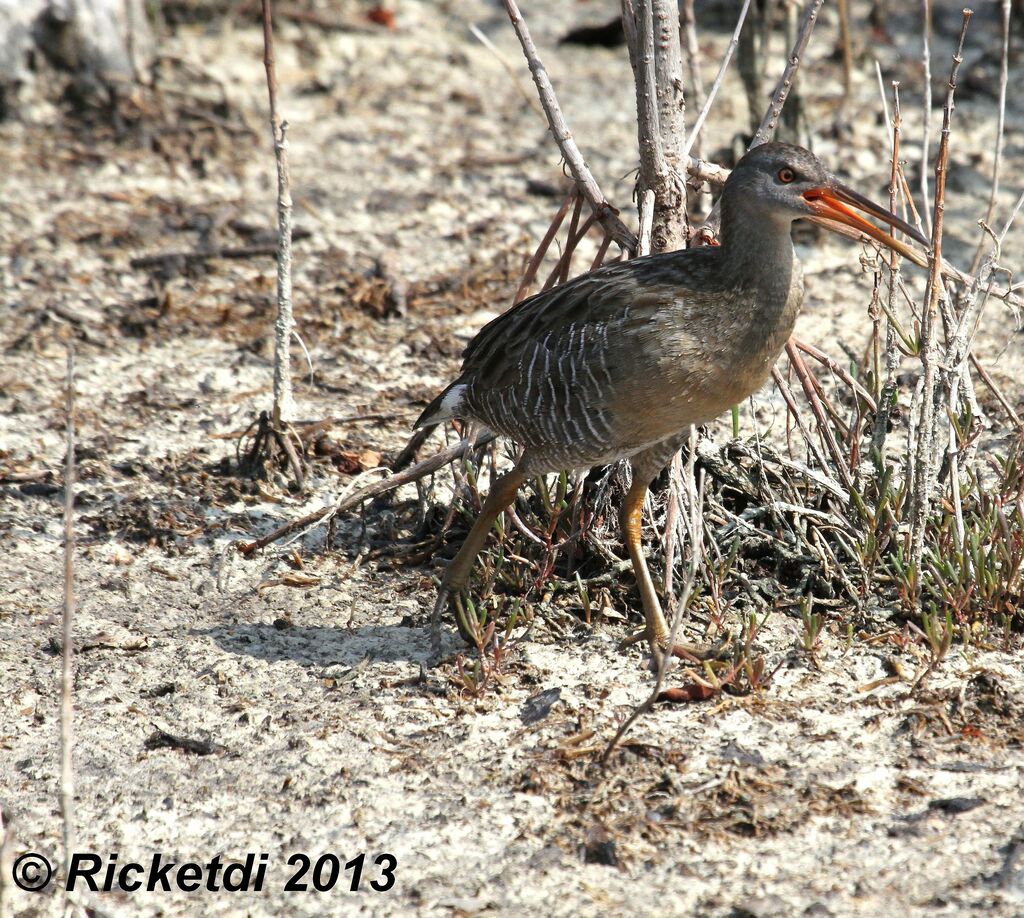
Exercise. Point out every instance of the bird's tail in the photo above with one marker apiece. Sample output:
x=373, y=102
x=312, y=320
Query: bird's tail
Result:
x=448, y=405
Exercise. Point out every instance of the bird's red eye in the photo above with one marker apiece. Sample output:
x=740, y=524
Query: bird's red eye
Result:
x=786, y=175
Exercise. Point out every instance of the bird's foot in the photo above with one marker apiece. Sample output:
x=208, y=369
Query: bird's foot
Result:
x=456, y=598
x=440, y=604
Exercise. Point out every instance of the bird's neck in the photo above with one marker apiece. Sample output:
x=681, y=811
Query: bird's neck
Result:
x=758, y=248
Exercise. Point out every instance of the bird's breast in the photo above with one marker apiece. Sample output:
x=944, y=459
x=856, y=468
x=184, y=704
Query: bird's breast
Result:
x=694, y=362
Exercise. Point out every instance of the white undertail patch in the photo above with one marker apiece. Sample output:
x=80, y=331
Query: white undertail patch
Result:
x=451, y=404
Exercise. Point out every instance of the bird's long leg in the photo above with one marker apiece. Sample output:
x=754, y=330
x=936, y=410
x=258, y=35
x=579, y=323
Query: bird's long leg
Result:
x=656, y=628
x=456, y=576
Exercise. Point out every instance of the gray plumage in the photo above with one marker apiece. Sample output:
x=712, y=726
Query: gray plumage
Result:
x=622, y=361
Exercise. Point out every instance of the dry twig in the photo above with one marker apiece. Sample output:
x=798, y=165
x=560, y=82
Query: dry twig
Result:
x=585, y=181
x=926, y=60
x=766, y=130
x=927, y=426
x=688, y=24
x=284, y=407
x=347, y=502
x=887, y=390
x=274, y=431
x=607, y=215
x=67, y=780
x=1000, y=126
x=847, y=49
x=176, y=261
x=698, y=125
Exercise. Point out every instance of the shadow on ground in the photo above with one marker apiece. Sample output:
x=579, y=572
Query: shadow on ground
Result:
x=316, y=646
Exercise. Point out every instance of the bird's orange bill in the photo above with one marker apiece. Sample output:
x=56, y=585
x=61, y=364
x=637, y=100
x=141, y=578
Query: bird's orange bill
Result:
x=836, y=202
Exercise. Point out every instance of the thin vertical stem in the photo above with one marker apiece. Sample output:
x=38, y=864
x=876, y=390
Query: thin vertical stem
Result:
x=284, y=403
x=669, y=77
x=672, y=520
x=652, y=33
x=1000, y=126
x=646, y=223
x=688, y=22
x=888, y=389
x=926, y=59
x=766, y=130
x=67, y=780
x=847, y=49
x=698, y=125
x=924, y=468
x=953, y=456
x=881, y=92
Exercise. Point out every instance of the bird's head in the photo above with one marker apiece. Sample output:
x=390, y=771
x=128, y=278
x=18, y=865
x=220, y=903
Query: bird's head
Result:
x=781, y=181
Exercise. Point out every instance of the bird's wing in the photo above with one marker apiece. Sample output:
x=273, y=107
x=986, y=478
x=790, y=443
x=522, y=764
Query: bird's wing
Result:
x=614, y=297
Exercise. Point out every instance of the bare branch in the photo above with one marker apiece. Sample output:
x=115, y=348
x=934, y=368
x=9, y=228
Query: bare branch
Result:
x=698, y=125
x=284, y=403
x=827, y=361
x=1000, y=126
x=925, y=457
x=688, y=23
x=545, y=243
x=783, y=88
x=926, y=60
x=888, y=389
x=997, y=392
x=709, y=228
x=652, y=34
x=506, y=66
x=809, y=385
x=606, y=214
x=67, y=779
x=646, y=223
x=347, y=502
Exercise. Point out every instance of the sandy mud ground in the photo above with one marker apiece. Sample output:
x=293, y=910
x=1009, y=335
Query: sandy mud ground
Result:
x=316, y=730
